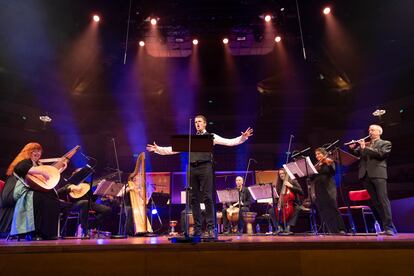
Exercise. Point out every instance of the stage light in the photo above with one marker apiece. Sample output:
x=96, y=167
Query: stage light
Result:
x=225, y=40
x=379, y=112
x=154, y=211
x=195, y=41
x=153, y=21
x=278, y=39
x=45, y=119
x=327, y=10
x=268, y=18
x=142, y=43
x=96, y=18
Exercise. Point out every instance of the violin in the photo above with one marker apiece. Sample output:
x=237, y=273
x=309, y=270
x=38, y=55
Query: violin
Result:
x=324, y=160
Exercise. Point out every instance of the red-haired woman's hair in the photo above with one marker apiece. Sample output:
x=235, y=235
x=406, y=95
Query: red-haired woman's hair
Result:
x=25, y=153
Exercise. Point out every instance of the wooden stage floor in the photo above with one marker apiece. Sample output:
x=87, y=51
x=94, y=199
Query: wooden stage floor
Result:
x=235, y=255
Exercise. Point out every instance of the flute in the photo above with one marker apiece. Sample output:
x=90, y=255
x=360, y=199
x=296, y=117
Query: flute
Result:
x=355, y=141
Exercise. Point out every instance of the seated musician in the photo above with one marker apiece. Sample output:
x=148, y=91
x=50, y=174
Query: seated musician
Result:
x=36, y=213
x=293, y=187
x=81, y=204
x=245, y=202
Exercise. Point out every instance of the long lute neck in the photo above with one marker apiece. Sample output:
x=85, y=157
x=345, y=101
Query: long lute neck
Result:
x=65, y=158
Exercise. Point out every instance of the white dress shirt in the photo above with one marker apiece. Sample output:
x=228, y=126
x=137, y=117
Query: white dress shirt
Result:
x=217, y=140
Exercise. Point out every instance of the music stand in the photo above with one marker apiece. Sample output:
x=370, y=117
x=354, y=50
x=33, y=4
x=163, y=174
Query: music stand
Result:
x=263, y=191
x=344, y=158
x=228, y=196
x=80, y=175
x=304, y=167
x=157, y=199
x=301, y=167
x=199, y=143
x=109, y=188
x=191, y=143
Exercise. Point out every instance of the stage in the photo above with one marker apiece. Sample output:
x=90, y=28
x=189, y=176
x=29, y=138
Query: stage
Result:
x=233, y=255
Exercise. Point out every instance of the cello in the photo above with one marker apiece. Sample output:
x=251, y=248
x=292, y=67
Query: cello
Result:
x=285, y=206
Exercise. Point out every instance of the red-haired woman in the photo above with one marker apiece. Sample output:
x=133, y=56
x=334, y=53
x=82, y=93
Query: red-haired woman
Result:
x=27, y=158
x=36, y=213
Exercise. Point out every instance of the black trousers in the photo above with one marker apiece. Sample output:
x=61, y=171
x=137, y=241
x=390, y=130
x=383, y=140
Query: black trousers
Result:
x=201, y=183
x=182, y=219
x=377, y=189
x=291, y=222
x=240, y=223
x=102, y=212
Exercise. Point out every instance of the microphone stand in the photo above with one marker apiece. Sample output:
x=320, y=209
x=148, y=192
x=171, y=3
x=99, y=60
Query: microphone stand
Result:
x=247, y=170
x=186, y=238
x=288, y=151
x=283, y=185
x=90, y=194
x=121, y=230
x=314, y=228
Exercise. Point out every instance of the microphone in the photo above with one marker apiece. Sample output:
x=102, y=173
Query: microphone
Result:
x=254, y=160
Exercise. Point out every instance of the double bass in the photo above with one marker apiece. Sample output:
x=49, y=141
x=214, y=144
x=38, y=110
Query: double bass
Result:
x=285, y=206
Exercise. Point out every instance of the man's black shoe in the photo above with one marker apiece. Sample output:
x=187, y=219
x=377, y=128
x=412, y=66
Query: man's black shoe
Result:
x=209, y=234
x=196, y=233
x=390, y=233
x=85, y=235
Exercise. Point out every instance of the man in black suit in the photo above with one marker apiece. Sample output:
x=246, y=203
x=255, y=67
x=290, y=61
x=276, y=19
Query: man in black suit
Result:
x=373, y=173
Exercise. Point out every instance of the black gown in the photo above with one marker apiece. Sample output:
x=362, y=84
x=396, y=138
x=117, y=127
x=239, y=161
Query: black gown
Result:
x=325, y=193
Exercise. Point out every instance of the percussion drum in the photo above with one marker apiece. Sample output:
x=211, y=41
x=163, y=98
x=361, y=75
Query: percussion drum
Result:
x=249, y=218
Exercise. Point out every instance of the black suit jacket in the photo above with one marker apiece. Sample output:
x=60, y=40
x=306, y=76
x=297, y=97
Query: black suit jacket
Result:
x=245, y=197
x=373, y=160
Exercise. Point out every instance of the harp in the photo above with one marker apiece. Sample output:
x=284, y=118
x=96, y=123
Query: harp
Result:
x=138, y=195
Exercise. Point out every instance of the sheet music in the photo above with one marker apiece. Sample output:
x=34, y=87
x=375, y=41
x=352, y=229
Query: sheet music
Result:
x=299, y=168
x=228, y=196
x=106, y=187
x=260, y=192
